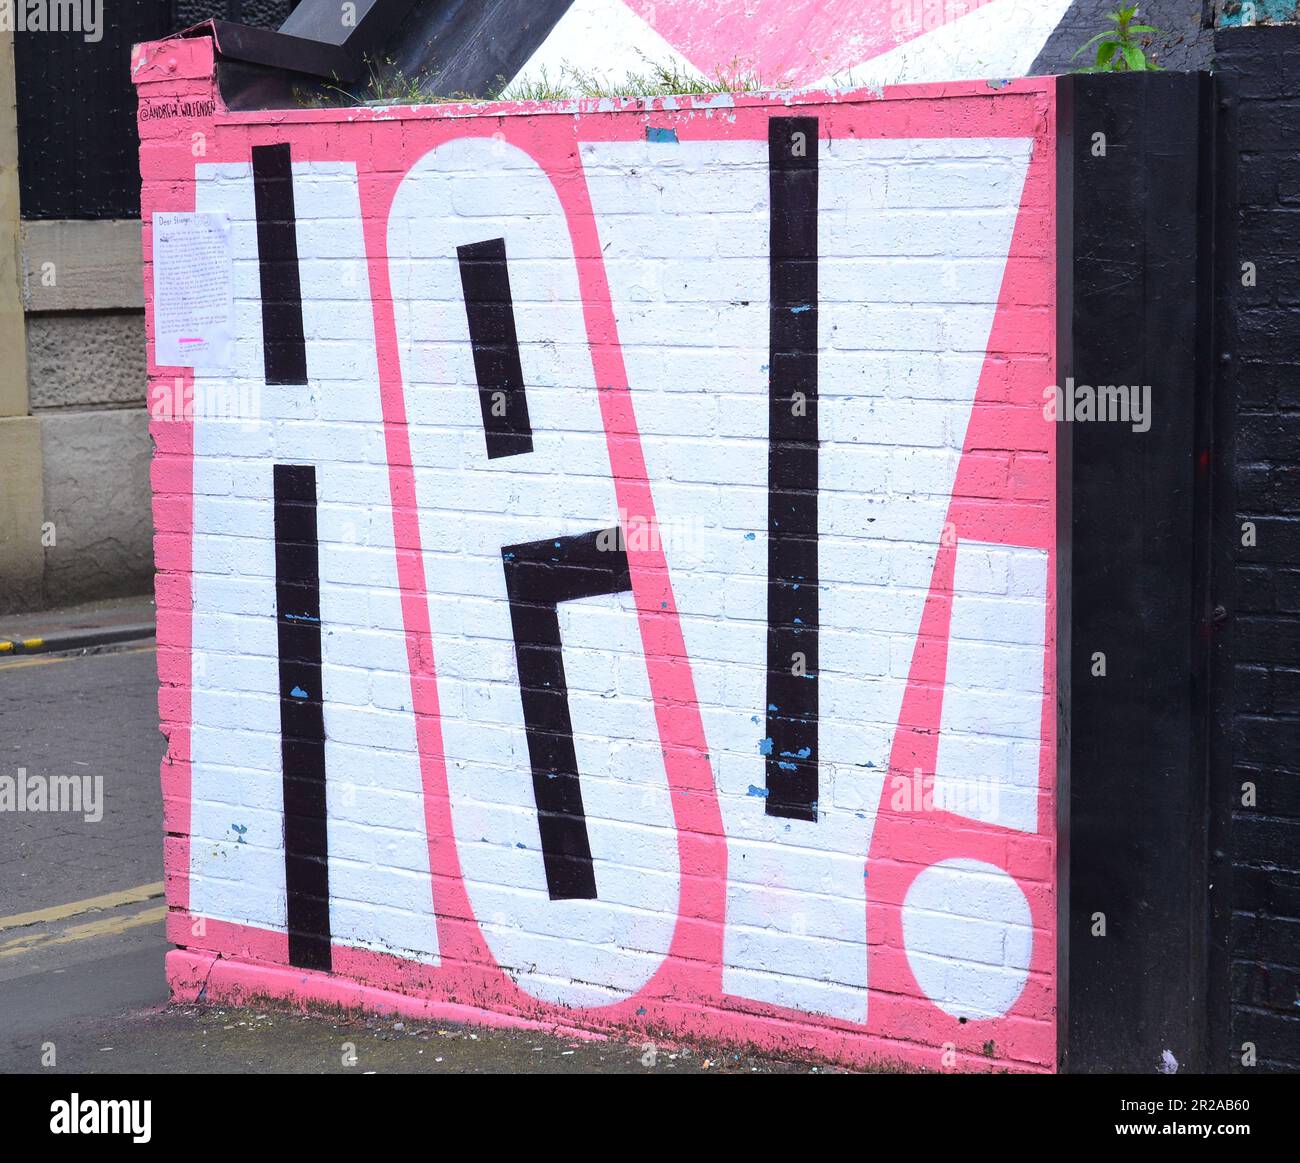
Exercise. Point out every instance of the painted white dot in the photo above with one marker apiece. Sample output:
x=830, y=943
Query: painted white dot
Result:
x=969, y=936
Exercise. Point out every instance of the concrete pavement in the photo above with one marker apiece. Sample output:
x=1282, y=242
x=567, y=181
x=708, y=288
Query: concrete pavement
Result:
x=85, y=627
x=222, y=1040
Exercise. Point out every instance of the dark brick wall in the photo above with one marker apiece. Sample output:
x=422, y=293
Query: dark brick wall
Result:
x=76, y=105
x=1255, y=851
x=77, y=147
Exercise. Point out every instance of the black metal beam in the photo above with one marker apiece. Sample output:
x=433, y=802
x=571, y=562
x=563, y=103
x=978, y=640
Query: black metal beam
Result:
x=472, y=46
x=315, y=40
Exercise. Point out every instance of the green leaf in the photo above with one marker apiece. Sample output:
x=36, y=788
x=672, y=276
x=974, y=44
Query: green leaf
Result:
x=1106, y=53
x=1136, y=61
x=1089, y=43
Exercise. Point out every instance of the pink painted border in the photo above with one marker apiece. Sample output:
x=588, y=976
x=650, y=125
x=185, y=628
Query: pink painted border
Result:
x=685, y=996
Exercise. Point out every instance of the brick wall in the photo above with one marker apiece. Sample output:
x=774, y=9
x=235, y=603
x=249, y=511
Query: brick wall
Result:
x=625, y=596
x=1257, y=845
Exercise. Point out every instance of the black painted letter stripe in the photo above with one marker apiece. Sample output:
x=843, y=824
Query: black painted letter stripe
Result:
x=490, y=311
x=792, y=598
x=539, y=576
x=302, y=720
x=284, y=350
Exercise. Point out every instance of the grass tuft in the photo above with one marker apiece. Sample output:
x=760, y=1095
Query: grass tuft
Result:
x=386, y=84
x=657, y=80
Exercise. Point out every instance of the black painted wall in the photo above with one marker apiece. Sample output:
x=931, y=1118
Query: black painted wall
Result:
x=1256, y=849
x=78, y=155
x=77, y=146
x=1134, y=192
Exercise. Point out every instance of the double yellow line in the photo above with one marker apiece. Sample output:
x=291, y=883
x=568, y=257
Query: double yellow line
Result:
x=107, y=926
x=10, y=661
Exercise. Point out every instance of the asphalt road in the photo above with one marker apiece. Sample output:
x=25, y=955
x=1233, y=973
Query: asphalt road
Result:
x=81, y=932
x=91, y=716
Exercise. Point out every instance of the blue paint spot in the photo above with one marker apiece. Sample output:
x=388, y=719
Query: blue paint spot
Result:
x=754, y=719
x=750, y=536
x=508, y=556
x=801, y=310
x=640, y=1011
x=802, y=753
x=239, y=830
x=761, y=792
x=764, y=367
x=784, y=766
x=518, y=845
x=660, y=134
x=1274, y=10
x=773, y=707
x=798, y=621
x=663, y=605
x=765, y=746
x=300, y=618
x=298, y=693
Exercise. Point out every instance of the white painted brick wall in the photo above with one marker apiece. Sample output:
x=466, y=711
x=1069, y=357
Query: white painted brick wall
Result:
x=914, y=238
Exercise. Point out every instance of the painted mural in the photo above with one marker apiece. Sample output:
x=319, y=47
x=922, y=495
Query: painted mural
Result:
x=797, y=43
x=628, y=602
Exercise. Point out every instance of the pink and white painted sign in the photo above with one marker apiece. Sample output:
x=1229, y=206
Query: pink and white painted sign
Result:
x=819, y=43
x=622, y=596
